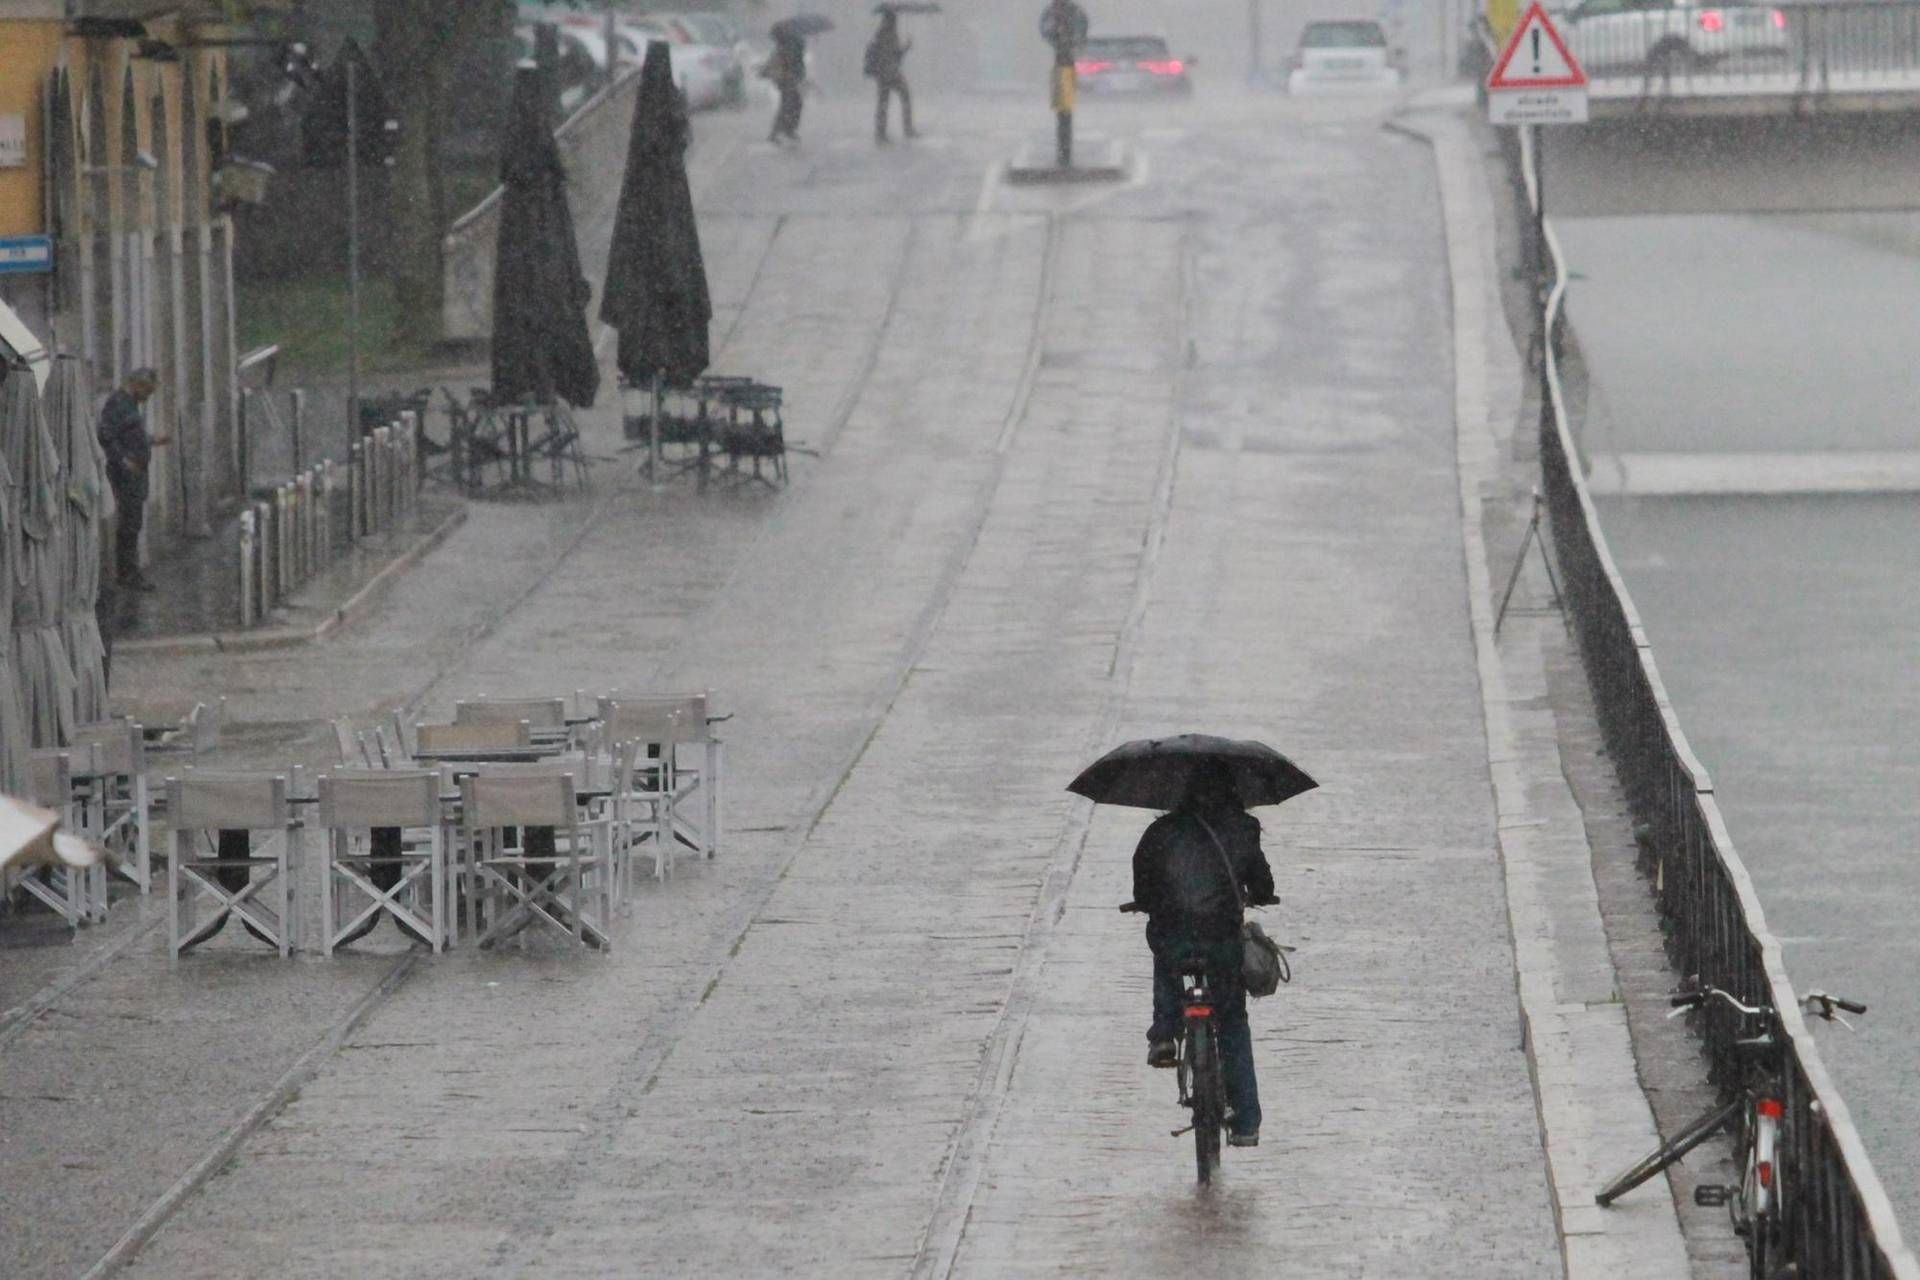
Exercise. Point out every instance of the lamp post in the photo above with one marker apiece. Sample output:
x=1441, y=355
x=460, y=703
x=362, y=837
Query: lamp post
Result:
x=353, y=249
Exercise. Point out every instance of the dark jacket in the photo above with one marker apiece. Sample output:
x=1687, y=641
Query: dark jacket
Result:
x=123, y=436
x=885, y=52
x=1181, y=881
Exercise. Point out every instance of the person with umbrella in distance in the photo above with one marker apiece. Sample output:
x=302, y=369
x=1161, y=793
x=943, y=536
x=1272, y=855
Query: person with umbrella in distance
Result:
x=885, y=54
x=787, y=69
x=1196, y=868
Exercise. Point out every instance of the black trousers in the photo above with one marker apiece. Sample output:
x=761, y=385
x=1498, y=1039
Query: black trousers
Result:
x=787, y=119
x=888, y=87
x=131, y=499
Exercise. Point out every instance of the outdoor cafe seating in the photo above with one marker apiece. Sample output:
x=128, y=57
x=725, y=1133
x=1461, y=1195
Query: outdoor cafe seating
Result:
x=520, y=814
x=499, y=445
x=719, y=428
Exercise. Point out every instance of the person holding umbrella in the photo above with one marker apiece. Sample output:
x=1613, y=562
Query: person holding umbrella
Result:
x=1195, y=870
x=787, y=69
x=885, y=54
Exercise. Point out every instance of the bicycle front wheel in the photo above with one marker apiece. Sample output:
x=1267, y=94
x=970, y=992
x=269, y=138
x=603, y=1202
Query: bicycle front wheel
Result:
x=1209, y=1102
x=1669, y=1152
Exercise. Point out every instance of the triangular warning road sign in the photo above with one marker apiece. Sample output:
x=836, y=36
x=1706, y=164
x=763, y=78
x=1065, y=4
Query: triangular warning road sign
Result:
x=1536, y=57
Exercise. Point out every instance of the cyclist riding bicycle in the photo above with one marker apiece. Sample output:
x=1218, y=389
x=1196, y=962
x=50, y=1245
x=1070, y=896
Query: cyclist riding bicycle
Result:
x=1181, y=880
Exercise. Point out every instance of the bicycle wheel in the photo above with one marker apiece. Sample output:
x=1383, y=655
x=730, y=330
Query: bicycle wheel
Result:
x=1668, y=1152
x=1209, y=1104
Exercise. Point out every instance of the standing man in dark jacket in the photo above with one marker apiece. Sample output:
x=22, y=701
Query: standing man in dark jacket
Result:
x=885, y=54
x=1190, y=871
x=129, y=450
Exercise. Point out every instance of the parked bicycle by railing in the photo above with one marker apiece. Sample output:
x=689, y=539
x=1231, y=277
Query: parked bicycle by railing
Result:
x=1757, y=1202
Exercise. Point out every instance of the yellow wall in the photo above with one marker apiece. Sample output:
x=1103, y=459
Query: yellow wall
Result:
x=28, y=53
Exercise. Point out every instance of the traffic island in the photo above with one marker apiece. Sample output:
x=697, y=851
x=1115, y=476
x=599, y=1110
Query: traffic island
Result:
x=1113, y=164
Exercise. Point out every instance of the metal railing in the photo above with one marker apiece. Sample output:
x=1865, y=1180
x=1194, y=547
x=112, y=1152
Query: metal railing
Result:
x=292, y=533
x=1839, y=1224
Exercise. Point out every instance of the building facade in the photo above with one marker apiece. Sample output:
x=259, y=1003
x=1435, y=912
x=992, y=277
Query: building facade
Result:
x=124, y=111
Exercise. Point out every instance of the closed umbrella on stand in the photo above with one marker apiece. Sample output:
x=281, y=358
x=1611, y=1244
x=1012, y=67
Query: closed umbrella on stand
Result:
x=541, y=347
x=13, y=717
x=656, y=292
x=45, y=677
x=89, y=503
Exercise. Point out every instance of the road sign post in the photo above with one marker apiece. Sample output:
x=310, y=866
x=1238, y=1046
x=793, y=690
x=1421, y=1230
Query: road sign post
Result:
x=1063, y=24
x=1537, y=81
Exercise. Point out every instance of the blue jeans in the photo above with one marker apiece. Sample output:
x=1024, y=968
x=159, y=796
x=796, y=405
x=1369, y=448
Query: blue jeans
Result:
x=1229, y=1014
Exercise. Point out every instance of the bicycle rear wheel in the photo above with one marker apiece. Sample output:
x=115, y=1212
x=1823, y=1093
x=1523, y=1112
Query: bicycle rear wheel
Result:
x=1209, y=1101
x=1670, y=1151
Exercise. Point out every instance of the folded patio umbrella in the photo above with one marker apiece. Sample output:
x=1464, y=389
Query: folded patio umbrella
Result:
x=656, y=290
x=69, y=400
x=44, y=675
x=13, y=717
x=541, y=347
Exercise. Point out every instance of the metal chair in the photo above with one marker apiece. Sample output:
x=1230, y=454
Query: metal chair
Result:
x=652, y=783
x=368, y=818
x=68, y=892
x=116, y=811
x=224, y=807
x=529, y=857
x=698, y=785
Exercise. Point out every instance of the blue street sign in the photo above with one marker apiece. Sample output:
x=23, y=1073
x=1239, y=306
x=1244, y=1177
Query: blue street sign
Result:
x=20, y=255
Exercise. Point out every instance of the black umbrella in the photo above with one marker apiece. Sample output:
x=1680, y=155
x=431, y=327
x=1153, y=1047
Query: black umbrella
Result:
x=801, y=26
x=1155, y=773
x=540, y=343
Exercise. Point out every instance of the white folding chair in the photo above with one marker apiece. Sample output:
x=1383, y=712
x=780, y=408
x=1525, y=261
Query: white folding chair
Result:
x=652, y=788
x=505, y=735
x=199, y=807
x=66, y=891
x=117, y=812
x=697, y=782
x=543, y=715
x=406, y=881
x=521, y=879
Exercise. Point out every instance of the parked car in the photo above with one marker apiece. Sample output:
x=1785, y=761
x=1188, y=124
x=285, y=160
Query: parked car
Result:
x=722, y=47
x=583, y=59
x=1131, y=64
x=1667, y=37
x=1343, y=54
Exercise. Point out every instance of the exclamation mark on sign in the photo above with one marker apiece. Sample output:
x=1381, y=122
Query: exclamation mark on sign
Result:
x=1536, y=50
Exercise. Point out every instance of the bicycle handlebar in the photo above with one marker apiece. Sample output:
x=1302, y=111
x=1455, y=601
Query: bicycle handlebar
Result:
x=1818, y=1003
x=1822, y=1005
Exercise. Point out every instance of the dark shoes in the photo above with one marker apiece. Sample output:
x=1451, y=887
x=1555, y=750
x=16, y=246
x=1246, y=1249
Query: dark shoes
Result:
x=1250, y=1139
x=1163, y=1053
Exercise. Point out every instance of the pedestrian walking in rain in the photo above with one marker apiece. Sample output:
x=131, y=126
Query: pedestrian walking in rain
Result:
x=129, y=450
x=1181, y=871
x=885, y=54
x=787, y=69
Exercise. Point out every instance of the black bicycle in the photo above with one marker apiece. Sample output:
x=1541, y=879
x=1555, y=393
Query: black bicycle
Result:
x=1203, y=1084
x=1756, y=1115
x=1201, y=1077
